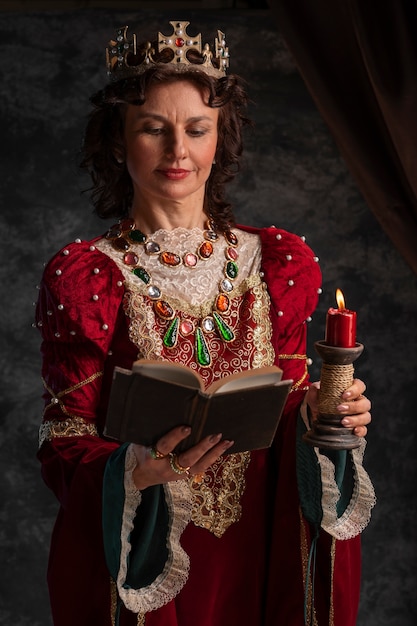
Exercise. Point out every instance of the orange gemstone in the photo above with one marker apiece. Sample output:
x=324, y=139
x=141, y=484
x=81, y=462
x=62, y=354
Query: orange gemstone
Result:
x=163, y=309
x=222, y=303
x=169, y=258
x=205, y=250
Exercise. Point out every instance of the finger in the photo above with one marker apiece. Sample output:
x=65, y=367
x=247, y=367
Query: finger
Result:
x=357, y=388
x=355, y=407
x=205, y=452
x=168, y=442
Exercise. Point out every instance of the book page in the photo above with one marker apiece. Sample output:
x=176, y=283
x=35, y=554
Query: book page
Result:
x=246, y=383
x=264, y=376
x=169, y=372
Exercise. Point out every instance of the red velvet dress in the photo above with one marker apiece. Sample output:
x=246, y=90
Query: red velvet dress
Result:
x=250, y=524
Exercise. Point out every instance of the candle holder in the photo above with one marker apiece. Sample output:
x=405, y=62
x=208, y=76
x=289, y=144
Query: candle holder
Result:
x=336, y=376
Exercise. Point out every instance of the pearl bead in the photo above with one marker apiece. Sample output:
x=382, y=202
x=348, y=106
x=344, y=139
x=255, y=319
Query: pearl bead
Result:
x=302, y=238
x=57, y=334
x=105, y=327
x=58, y=272
x=60, y=307
x=319, y=290
x=96, y=270
x=278, y=236
x=280, y=313
x=289, y=257
x=291, y=283
x=309, y=361
x=309, y=318
x=49, y=312
x=316, y=259
x=95, y=297
x=92, y=248
x=72, y=332
x=119, y=283
x=65, y=252
x=78, y=240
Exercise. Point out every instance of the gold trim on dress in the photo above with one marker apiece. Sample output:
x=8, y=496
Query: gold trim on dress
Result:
x=71, y=427
x=299, y=357
x=56, y=397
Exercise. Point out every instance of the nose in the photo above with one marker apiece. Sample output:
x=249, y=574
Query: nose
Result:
x=176, y=145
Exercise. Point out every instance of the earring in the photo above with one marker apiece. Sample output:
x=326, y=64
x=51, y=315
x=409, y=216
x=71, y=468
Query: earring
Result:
x=119, y=160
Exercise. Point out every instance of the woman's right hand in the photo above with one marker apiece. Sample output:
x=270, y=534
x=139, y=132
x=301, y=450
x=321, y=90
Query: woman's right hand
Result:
x=155, y=471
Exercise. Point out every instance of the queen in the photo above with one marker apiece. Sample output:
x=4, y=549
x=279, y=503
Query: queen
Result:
x=203, y=538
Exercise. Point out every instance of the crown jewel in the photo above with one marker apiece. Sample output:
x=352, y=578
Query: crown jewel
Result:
x=125, y=57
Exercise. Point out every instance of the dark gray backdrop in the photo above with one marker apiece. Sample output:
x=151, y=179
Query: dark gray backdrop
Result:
x=293, y=177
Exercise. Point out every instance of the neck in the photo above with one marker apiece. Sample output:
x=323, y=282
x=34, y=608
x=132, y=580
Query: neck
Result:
x=149, y=218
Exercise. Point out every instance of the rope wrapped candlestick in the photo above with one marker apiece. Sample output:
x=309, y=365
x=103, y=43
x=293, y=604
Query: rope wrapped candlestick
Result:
x=338, y=353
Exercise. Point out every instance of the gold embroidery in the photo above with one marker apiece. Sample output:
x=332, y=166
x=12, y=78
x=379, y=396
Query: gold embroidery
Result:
x=300, y=357
x=264, y=354
x=56, y=397
x=216, y=500
x=141, y=619
x=72, y=427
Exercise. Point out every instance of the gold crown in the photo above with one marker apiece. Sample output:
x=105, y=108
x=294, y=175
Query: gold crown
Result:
x=125, y=58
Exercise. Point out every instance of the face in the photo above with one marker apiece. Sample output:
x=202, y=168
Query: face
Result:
x=170, y=144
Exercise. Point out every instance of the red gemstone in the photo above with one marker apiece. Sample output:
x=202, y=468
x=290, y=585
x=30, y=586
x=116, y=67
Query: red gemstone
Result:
x=186, y=328
x=179, y=42
x=130, y=258
x=232, y=254
x=222, y=303
x=190, y=259
x=169, y=258
x=163, y=309
x=231, y=238
x=127, y=224
x=205, y=250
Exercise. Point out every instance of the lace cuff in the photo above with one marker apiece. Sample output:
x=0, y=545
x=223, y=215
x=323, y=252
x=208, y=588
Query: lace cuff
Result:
x=175, y=572
x=357, y=513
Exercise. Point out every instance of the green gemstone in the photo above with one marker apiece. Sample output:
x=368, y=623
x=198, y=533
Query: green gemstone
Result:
x=137, y=236
x=224, y=329
x=171, y=336
x=231, y=269
x=202, y=352
x=141, y=273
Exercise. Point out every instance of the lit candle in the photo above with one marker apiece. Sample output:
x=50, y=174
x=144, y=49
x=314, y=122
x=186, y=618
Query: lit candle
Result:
x=340, y=325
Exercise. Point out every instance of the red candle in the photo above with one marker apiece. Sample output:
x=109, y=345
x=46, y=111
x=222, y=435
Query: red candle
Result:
x=341, y=325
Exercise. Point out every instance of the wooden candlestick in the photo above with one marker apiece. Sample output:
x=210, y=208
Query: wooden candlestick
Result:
x=336, y=376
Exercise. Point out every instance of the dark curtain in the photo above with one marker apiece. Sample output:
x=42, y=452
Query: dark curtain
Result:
x=358, y=59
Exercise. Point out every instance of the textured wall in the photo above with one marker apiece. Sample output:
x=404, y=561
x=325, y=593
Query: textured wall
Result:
x=294, y=178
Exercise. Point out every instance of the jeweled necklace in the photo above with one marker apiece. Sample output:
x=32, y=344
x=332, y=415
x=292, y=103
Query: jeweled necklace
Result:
x=124, y=235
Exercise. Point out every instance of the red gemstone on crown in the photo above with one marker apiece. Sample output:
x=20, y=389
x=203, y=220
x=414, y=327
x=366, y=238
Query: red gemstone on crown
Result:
x=179, y=42
x=232, y=254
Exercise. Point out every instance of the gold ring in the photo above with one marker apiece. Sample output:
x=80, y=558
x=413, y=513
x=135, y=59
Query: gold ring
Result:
x=155, y=454
x=176, y=466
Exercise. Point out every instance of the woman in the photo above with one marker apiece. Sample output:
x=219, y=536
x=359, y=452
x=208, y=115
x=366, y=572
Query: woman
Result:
x=209, y=538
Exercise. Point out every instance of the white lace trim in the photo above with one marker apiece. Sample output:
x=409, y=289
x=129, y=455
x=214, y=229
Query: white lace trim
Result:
x=358, y=512
x=184, y=284
x=174, y=576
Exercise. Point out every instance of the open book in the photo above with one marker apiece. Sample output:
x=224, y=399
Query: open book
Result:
x=155, y=396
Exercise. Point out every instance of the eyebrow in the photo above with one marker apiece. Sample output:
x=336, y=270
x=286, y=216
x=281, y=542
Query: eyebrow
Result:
x=161, y=118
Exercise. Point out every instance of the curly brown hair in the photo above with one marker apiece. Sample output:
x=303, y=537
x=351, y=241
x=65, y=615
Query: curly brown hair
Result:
x=112, y=189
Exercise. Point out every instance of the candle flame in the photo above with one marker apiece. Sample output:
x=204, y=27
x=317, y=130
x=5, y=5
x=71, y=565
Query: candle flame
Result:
x=340, y=299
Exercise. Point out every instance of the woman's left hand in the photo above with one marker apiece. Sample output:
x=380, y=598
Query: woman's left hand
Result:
x=354, y=407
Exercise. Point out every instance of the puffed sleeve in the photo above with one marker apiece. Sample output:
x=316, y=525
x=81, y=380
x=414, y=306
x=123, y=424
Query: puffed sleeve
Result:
x=79, y=302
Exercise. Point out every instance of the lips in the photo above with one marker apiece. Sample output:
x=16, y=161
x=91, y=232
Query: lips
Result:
x=175, y=174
